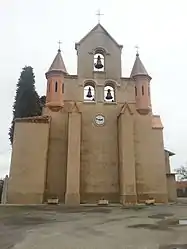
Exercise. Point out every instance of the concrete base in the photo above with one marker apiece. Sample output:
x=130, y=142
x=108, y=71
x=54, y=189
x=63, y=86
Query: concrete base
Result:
x=128, y=199
x=159, y=197
x=72, y=199
x=25, y=199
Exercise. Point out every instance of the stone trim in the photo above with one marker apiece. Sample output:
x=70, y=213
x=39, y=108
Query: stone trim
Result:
x=126, y=107
x=68, y=76
x=143, y=111
x=55, y=108
x=125, y=78
x=37, y=119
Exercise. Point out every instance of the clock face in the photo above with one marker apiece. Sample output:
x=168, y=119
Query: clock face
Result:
x=100, y=120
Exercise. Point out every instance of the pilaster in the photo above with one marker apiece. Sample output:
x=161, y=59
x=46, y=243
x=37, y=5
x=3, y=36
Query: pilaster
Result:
x=72, y=196
x=127, y=172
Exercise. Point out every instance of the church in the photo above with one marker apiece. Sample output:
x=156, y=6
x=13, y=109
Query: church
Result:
x=97, y=138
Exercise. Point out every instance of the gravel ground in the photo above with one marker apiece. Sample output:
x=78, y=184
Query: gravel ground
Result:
x=91, y=227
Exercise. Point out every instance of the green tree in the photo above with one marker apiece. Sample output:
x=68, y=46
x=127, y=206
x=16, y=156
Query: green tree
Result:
x=42, y=101
x=27, y=102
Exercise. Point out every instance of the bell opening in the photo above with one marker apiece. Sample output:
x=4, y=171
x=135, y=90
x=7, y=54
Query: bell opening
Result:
x=109, y=94
x=89, y=93
x=98, y=62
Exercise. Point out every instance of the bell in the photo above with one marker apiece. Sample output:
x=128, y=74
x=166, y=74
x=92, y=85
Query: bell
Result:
x=89, y=94
x=98, y=65
x=109, y=96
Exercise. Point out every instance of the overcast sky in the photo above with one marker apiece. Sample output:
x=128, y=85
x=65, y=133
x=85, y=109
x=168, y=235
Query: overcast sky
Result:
x=30, y=30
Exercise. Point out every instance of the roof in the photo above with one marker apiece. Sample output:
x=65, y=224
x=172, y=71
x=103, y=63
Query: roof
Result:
x=138, y=68
x=58, y=64
x=156, y=122
x=170, y=152
x=98, y=26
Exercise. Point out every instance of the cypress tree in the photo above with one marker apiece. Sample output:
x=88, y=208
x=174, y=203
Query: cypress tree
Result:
x=27, y=102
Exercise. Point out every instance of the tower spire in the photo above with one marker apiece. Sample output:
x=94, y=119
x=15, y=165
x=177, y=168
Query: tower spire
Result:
x=55, y=81
x=58, y=63
x=142, y=80
x=138, y=67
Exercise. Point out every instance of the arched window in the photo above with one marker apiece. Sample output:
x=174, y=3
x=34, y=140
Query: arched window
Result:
x=136, y=91
x=99, y=60
x=56, y=86
x=49, y=86
x=109, y=93
x=89, y=92
x=62, y=88
x=142, y=90
x=148, y=90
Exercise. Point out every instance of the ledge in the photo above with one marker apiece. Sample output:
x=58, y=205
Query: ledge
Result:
x=89, y=102
x=71, y=76
x=169, y=152
x=36, y=119
x=110, y=103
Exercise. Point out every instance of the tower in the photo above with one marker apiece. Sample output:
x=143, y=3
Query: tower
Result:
x=55, y=81
x=142, y=86
x=98, y=42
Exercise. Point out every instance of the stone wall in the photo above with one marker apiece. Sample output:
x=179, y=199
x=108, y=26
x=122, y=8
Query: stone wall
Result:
x=29, y=160
x=57, y=156
x=99, y=154
x=150, y=160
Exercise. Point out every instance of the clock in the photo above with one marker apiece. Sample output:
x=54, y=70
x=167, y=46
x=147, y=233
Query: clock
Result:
x=100, y=119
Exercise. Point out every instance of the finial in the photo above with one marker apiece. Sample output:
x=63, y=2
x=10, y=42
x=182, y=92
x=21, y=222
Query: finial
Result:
x=137, y=50
x=59, y=42
x=99, y=15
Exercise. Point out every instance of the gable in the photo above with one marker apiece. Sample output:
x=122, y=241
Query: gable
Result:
x=98, y=28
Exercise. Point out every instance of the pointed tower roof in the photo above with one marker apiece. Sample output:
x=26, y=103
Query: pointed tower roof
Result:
x=58, y=64
x=138, y=68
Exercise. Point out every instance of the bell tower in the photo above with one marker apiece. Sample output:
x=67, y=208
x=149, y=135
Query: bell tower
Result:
x=98, y=54
x=55, y=81
x=142, y=86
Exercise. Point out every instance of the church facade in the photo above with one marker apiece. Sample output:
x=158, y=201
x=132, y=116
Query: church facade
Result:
x=97, y=138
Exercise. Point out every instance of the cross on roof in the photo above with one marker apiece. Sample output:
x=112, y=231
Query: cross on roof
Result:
x=137, y=49
x=59, y=43
x=99, y=15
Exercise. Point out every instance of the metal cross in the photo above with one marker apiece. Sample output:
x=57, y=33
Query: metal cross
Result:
x=137, y=49
x=99, y=15
x=59, y=43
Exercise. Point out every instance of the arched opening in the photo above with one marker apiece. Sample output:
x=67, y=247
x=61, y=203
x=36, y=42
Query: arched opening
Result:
x=99, y=60
x=109, y=93
x=56, y=86
x=148, y=90
x=142, y=90
x=89, y=92
x=136, y=93
x=62, y=88
x=49, y=86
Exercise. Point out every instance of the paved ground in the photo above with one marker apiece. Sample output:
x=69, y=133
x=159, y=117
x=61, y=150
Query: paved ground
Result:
x=93, y=227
